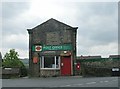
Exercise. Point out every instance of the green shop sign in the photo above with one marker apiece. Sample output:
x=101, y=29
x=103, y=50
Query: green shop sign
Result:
x=52, y=47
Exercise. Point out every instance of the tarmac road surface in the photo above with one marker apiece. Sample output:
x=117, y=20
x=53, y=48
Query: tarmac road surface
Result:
x=72, y=81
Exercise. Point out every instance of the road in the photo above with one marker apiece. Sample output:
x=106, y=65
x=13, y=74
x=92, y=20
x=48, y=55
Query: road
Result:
x=74, y=81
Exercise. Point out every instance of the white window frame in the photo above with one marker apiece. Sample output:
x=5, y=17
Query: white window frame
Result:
x=42, y=63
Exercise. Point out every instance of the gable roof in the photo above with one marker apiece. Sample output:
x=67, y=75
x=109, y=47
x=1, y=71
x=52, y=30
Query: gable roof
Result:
x=52, y=21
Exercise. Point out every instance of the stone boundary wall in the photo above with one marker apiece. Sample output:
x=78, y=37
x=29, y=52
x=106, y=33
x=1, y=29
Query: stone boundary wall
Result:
x=97, y=68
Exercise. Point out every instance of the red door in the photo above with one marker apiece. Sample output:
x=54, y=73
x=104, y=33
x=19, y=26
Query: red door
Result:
x=66, y=66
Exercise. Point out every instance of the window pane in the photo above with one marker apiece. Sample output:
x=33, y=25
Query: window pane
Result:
x=42, y=62
x=57, y=61
x=49, y=62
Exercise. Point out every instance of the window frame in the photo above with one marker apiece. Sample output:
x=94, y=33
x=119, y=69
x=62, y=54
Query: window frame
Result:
x=42, y=58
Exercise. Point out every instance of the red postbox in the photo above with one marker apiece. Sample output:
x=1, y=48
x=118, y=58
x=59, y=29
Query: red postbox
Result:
x=35, y=59
x=78, y=66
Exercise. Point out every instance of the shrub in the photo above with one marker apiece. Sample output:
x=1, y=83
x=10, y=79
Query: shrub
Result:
x=11, y=60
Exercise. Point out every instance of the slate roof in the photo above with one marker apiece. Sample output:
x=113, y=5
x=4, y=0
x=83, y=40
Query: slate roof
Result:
x=53, y=22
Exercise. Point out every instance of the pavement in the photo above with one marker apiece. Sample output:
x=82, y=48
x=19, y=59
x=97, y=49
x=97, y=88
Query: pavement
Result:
x=69, y=81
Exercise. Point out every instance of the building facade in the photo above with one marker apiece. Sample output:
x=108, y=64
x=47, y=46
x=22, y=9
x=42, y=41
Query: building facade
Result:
x=0, y=57
x=52, y=49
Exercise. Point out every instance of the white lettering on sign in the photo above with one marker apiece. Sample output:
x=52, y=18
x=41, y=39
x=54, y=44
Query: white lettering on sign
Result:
x=56, y=47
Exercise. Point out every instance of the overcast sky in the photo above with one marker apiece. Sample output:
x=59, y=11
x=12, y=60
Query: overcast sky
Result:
x=97, y=24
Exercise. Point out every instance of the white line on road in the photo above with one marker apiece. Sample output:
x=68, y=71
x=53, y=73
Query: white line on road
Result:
x=67, y=85
x=78, y=84
x=101, y=81
x=91, y=83
x=106, y=81
x=114, y=80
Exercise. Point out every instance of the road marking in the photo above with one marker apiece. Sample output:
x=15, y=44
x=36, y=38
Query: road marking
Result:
x=114, y=80
x=101, y=81
x=54, y=86
x=91, y=83
x=61, y=86
x=65, y=86
x=78, y=84
x=106, y=81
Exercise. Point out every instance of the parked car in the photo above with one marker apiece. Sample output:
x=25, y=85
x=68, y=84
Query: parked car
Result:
x=115, y=71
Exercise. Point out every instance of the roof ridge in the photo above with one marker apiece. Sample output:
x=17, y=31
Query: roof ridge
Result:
x=54, y=20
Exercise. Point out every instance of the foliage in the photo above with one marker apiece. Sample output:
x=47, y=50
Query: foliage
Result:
x=11, y=59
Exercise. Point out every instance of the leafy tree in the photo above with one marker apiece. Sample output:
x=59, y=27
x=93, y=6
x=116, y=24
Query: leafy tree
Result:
x=11, y=59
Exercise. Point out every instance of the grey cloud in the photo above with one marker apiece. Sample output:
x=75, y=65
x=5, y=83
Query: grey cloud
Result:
x=107, y=8
x=11, y=28
x=103, y=30
x=92, y=9
x=17, y=45
x=105, y=37
x=13, y=9
x=15, y=41
x=97, y=28
x=14, y=26
x=101, y=35
x=10, y=15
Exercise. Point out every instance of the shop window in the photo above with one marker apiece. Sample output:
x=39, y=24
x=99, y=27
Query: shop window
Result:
x=50, y=62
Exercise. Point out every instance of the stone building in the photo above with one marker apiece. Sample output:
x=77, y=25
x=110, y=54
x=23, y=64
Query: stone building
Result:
x=52, y=49
x=0, y=57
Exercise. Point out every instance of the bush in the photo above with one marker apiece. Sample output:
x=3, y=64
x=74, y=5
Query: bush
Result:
x=11, y=60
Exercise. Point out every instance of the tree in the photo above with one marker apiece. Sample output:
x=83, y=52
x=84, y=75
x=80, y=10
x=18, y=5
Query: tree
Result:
x=11, y=59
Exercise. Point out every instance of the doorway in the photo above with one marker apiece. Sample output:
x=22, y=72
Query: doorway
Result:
x=66, y=65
